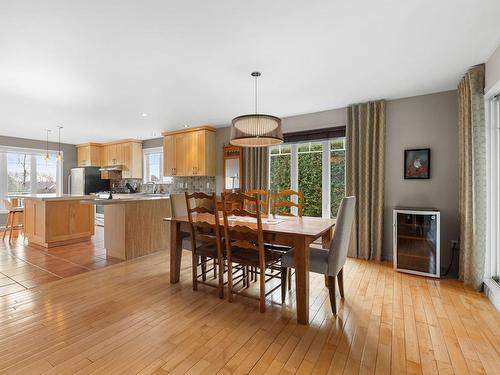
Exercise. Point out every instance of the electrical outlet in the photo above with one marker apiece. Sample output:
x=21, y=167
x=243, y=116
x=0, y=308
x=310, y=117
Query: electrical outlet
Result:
x=454, y=244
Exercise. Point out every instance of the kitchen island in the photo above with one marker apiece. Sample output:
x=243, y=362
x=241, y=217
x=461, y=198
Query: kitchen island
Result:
x=134, y=226
x=54, y=220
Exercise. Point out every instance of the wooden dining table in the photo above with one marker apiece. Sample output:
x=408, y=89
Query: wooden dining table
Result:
x=291, y=231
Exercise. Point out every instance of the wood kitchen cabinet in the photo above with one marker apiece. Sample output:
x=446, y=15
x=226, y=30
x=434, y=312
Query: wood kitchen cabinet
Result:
x=189, y=152
x=89, y=155
x=125, y=153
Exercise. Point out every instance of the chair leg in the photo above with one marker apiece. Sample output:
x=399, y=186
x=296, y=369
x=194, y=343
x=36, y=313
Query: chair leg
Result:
x=220, y=264
x=195, y=270
x=331, y=290
x=340, y=279
x=6, y=225
x=12, y=217
x=284, y=273
x=215, y=268
x=229, y=279
x=244, y=276
x=262, y=280
x=247, y=276
x=204, y=268
x=289, y=279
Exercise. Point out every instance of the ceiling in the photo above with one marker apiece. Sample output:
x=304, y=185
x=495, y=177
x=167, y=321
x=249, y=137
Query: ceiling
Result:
x=95, y=66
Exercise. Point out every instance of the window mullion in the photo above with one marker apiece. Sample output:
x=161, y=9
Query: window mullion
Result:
x=325, y=191
x=33, y=175
x=294, y=173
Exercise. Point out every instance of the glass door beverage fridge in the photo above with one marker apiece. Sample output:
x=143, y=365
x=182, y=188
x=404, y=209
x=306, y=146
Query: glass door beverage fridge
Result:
x=417, y=241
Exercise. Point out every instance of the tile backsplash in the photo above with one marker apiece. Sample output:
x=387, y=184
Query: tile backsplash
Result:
x=180, y=184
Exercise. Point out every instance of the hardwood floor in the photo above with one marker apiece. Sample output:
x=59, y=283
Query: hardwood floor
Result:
x=23, y=266
x=128, y=319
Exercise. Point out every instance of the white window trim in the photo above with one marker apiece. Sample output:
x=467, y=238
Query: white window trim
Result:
x=33, y=152
x=154, y=150
x=325, y=175
x=492, y=116
x=146, y=152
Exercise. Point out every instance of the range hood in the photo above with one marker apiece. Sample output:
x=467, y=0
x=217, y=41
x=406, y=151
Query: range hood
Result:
x=111, y=168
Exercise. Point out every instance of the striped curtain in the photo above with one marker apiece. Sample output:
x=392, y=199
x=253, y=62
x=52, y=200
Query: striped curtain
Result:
x=255, y=168
x=365, y=149
x=472, y=177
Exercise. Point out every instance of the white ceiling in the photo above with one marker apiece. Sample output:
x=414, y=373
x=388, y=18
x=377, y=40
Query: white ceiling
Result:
x=94, y=66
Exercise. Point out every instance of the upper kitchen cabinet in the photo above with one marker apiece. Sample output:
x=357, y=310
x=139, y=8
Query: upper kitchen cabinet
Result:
x=89, y=155
x=189, y=152
x=127, y=154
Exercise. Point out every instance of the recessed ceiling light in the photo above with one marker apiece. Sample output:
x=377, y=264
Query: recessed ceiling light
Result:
x=144, y=114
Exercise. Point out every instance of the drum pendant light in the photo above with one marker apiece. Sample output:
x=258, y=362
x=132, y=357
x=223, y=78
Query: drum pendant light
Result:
x=256, y=130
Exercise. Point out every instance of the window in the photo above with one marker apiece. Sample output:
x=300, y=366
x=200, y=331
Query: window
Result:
x=24, y=171
x=492, y=261
x=153, y=166
x=310, y=172
x=316, y=168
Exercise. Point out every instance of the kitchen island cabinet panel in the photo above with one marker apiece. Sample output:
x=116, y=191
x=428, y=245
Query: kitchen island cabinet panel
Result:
x=52, y=220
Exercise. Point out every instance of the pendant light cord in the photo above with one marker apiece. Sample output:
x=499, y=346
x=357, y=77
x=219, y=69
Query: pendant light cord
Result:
x=256, y=94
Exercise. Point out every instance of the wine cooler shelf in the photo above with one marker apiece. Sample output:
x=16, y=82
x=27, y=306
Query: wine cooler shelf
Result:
x=416, y=241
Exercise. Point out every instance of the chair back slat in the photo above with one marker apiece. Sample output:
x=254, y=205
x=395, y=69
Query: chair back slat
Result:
x=203, y=220
x=283, y=199
x=263, y=196
x=242, y=235
x=201, y=210
x=8, y=204
x=339, y=245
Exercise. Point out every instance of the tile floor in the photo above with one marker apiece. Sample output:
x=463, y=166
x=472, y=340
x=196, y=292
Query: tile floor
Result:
x=24, y=266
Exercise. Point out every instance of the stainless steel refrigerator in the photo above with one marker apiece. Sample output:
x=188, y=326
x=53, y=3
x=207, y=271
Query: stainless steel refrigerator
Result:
x=86, y=180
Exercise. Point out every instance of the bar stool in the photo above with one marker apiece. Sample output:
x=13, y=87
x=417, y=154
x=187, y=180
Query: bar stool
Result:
x=13, y=211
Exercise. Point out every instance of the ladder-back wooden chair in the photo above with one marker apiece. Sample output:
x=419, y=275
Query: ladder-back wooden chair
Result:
x=263, y=196
x=206, y=241
x=283, y=203
x=245, y=245
x=13, y=212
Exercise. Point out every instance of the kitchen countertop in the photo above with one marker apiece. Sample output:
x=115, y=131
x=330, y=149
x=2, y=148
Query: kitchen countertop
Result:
x=53, y=197
x=127, y=199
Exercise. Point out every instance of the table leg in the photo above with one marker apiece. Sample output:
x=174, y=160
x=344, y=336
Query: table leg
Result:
x=326, y=239
x=301, y=245
x=175, y=251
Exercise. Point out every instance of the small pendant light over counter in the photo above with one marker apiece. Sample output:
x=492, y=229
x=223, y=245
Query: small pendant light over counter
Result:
x=59, y=154
x=257, y=130
x=47, y=156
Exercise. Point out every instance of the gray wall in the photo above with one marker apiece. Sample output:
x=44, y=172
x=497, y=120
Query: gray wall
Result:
x=492, y=70
x=154, y=142
x=69, y=153
x=428, y=121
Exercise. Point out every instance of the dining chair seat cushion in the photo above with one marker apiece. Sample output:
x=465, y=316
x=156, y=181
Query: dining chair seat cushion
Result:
x=318, y=260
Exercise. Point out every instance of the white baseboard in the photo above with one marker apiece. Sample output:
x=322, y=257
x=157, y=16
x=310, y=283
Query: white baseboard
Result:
x=492, y=291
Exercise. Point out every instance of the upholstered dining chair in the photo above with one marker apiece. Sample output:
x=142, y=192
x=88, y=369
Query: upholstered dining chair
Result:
x=330, y=262
x=13, y=211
